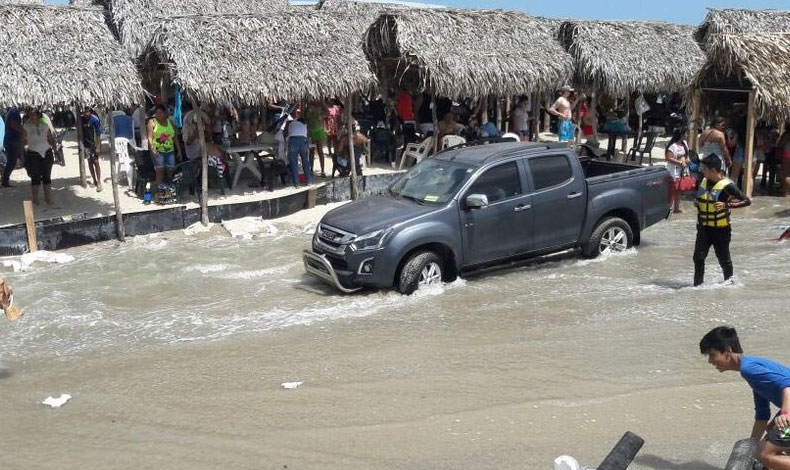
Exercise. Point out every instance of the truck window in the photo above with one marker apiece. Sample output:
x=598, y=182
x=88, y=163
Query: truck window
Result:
x=498, y=183
x=549, y=171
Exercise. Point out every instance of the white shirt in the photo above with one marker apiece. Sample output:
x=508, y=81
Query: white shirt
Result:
x=521, y=118
x=679, y=151
x=37, y=138
x=297, y=129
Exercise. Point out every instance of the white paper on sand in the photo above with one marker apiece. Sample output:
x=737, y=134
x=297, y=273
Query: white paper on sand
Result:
x=56, y=402
x=291, y=385
x=248, y=227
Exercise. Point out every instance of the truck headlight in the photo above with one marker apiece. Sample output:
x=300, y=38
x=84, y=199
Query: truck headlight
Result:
x=371, y=241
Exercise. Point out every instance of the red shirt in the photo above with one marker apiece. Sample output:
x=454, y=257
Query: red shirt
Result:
x=405, y=106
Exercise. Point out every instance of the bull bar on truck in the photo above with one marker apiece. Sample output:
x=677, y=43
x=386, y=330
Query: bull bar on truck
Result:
x=320, y=267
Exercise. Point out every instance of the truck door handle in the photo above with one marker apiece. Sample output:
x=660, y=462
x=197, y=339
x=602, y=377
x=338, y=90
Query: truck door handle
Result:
x=522, y=207
x=574, y=195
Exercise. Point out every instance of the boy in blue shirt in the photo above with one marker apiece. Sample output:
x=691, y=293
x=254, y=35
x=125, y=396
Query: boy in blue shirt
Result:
x=770, y=382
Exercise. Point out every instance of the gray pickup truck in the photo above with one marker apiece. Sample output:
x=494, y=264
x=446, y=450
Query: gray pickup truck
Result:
x=474, y=206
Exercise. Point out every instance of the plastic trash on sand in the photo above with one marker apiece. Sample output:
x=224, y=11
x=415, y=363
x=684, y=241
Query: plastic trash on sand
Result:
x=566, y=462
x=290, y=385
x=57, y=402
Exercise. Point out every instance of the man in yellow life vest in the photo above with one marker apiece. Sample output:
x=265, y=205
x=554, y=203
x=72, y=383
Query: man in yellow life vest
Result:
x=715, y=197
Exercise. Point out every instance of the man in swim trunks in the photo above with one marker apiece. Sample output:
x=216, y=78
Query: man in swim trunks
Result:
x=562, y=109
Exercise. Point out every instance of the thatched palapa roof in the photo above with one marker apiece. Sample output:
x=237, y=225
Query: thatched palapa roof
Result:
x=621, y=57
x=251, y=58
x=136, y=20
x=757, y=61
x=62, y=54
x=470, y=52
x=735, y=20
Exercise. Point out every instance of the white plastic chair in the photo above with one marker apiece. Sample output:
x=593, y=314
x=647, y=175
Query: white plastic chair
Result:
x=452, y=141
x=512, y=136
x=125, y=161
x=416, y=151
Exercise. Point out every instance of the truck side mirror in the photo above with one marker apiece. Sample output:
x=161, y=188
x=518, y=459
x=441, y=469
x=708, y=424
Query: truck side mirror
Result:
x=476, y=201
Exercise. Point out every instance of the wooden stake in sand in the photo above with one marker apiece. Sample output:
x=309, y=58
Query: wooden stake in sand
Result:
x=30, y=223
x=748, y=178
x=81, y=147
x=197, y=113
x=435, y=124
x=114, y=178
x=352, y=161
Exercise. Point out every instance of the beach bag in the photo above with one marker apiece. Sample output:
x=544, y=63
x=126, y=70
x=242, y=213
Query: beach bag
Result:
x=686, y=182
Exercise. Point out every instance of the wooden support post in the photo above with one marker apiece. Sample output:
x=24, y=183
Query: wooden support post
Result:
x=312, y=196
x=695, y=128
x=534, y=112
x=80, y=146
x=30, y=224
x=742, y=455
x=508, y=104
x=624, y=144
x=197, y=113
x=435, y=124
x=352, y=161
x=623, y=453
x=119, y=230
x=499, y=113
x=547, y=117
x=750, y=123
x=484, y=112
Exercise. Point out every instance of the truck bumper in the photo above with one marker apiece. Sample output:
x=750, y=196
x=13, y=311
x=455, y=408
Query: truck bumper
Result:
x=320, y=267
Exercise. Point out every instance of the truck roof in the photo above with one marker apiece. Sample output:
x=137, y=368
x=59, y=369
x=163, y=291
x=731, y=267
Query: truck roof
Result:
x=479, y=154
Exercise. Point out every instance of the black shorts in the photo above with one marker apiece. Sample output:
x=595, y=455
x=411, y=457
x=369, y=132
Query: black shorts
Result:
x=90, y=154
x=774, y=436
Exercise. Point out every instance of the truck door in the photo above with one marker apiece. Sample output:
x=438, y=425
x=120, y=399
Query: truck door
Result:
x=559, y=200
x=502, y=229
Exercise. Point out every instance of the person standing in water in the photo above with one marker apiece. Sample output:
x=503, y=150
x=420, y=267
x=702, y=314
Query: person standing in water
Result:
x=770, y=383
x=715, y=197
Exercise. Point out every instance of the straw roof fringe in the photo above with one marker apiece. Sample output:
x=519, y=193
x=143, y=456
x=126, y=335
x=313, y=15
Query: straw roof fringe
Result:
x=62, y=54
x=470, y=52
x=136, y=20
x=621, y=57
x=252, y=58
x=734, y=20
x=762, y=59
x=21, y=2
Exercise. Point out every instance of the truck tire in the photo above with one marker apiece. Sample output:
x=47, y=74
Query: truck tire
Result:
x=421, y=269
x=612, y=234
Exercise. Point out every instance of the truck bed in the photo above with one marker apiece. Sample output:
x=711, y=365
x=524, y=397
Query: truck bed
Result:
x=596, y=171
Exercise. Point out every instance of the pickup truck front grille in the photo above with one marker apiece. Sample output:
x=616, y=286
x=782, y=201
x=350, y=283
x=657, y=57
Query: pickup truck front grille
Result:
x=332, y=240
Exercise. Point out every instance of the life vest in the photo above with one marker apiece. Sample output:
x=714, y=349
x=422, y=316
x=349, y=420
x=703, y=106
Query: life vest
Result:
x=707, y=196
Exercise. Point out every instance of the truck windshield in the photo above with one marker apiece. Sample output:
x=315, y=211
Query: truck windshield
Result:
x=432, y=181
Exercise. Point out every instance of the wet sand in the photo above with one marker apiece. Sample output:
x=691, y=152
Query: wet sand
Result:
x=507, y=370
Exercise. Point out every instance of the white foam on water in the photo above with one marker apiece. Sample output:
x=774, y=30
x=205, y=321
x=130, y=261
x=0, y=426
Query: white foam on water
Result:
x=207, y=268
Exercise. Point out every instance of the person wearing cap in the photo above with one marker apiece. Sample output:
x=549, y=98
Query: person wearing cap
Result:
x=562, y=109
x=91, y=142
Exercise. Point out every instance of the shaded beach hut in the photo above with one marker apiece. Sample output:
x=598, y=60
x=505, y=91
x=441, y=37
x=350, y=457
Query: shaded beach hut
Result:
x=238, y=59
x=467, y=53
x=54, y=55
x=748, y=56
x=458, y=53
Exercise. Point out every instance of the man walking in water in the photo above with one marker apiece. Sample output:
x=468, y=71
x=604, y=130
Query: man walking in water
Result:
x=715, y=197
x=770, y=382
x=562, y=109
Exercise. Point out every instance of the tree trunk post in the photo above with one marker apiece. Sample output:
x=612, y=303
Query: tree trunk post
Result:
x=435, y=119
x=750, y=123
x=114, y=178
x=80, y=146
x=352, y=161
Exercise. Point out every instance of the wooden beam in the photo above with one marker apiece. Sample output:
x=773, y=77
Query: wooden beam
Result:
x=81, y=147
x=119, y=229
x=203, y=165
x=499, y=113
x=695, y=128
x=624, y=144
x=750, y=123
x=534, y=112
x=352, y=161
x=547, y=117
x=435, y=124
x=508, y=105
x=30, y=224
x=484, y=112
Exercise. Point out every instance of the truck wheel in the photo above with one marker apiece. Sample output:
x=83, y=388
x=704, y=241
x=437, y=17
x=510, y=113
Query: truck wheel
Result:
x=611, y=235
x=423, y=268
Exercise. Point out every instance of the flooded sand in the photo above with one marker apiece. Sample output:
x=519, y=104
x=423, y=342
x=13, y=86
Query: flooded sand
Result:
x=174, y=348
